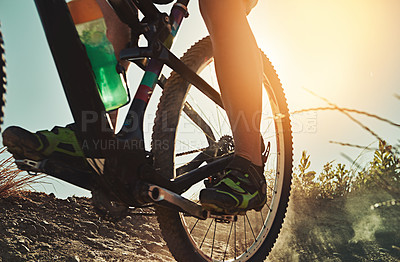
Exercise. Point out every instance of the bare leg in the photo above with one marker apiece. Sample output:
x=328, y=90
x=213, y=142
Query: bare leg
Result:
x=239, y=71
x=117, y=32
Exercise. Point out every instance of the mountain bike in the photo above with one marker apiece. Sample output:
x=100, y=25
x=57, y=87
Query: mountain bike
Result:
x=191, y=141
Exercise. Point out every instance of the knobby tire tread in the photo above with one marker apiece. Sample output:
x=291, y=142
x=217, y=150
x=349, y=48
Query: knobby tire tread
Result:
x=167, y=116
x=3, y=79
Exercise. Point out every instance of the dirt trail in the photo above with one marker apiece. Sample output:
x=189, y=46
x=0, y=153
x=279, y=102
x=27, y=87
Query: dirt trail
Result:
x=39, y=227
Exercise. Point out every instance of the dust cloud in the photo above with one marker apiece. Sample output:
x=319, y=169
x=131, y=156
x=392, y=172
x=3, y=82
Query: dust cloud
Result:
x=344, y=229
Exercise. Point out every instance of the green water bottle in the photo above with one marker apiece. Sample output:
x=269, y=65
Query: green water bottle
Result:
x=91, y=28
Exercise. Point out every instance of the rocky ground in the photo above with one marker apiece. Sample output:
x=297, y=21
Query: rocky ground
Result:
x=39, y=227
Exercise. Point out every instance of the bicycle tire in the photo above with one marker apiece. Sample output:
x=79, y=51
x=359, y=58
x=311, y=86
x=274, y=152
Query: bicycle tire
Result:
x=174, y=226
x=3, y=79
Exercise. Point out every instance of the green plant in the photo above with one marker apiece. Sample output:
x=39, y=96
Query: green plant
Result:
x=334, y=181
x=303, y=180
x=383, y=171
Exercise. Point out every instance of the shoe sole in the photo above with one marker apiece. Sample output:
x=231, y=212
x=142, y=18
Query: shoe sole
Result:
x=213, y=208
x=22, y=143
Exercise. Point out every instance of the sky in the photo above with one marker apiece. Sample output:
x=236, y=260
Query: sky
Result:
x=345, y=51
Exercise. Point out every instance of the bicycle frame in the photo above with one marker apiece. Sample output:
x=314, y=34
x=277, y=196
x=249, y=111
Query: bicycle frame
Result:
x=158, y=51
x=160, y=30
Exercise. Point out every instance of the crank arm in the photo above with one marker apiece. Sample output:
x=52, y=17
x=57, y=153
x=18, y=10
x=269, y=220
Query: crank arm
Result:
x=161, y=195
x=165, y=197
x=55, y=168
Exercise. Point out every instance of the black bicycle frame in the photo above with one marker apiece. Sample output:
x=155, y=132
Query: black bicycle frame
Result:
x=160, y=33
x=160, y=30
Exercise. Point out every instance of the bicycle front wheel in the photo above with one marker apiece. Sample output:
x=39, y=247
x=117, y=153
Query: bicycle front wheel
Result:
x=188, y=125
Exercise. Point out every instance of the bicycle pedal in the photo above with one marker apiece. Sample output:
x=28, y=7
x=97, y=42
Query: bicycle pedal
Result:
x=222, y=218
x=30, y=165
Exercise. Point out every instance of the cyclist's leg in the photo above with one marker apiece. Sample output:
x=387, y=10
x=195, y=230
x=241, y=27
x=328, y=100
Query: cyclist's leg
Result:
x=236, y=54
x=119, y=35
x=117, y=32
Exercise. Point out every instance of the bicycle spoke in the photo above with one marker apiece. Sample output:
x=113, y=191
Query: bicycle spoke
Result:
x=272, y=189
x=248, y=220
x=244, y=228
x=211, y=71
x=204, y=114
x=266, y=130
x=191, y=230
x=209, y=137
x=206, y=233
x=235, y=238
x=218, y=117
x=268, y=206
x=227, y=242
x=267, y=137
x=212, y=247
x=262, y=219
x=215, y=84
x=198, y=120
x=219, y=110
x=266, y=81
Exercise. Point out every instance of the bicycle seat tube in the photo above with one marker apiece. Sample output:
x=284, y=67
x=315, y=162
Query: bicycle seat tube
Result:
x=133, y=124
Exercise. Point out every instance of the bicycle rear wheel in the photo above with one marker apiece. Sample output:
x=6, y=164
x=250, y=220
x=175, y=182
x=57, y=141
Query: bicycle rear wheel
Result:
x=3, y=79
x=187, y=125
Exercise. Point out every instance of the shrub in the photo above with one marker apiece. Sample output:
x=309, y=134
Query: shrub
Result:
x=383, y=171
x=332, y=182
x=303, y=180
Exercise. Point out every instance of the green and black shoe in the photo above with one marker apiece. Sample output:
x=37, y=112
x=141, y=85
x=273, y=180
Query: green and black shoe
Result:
x=242, y=188
x=60, y=143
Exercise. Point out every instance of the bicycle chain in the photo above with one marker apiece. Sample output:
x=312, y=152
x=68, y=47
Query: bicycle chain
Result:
x=192, y=151
x=225, y=138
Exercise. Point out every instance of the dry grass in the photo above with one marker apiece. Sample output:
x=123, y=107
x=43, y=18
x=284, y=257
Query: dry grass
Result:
x=12, y=180
x=346, y=112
